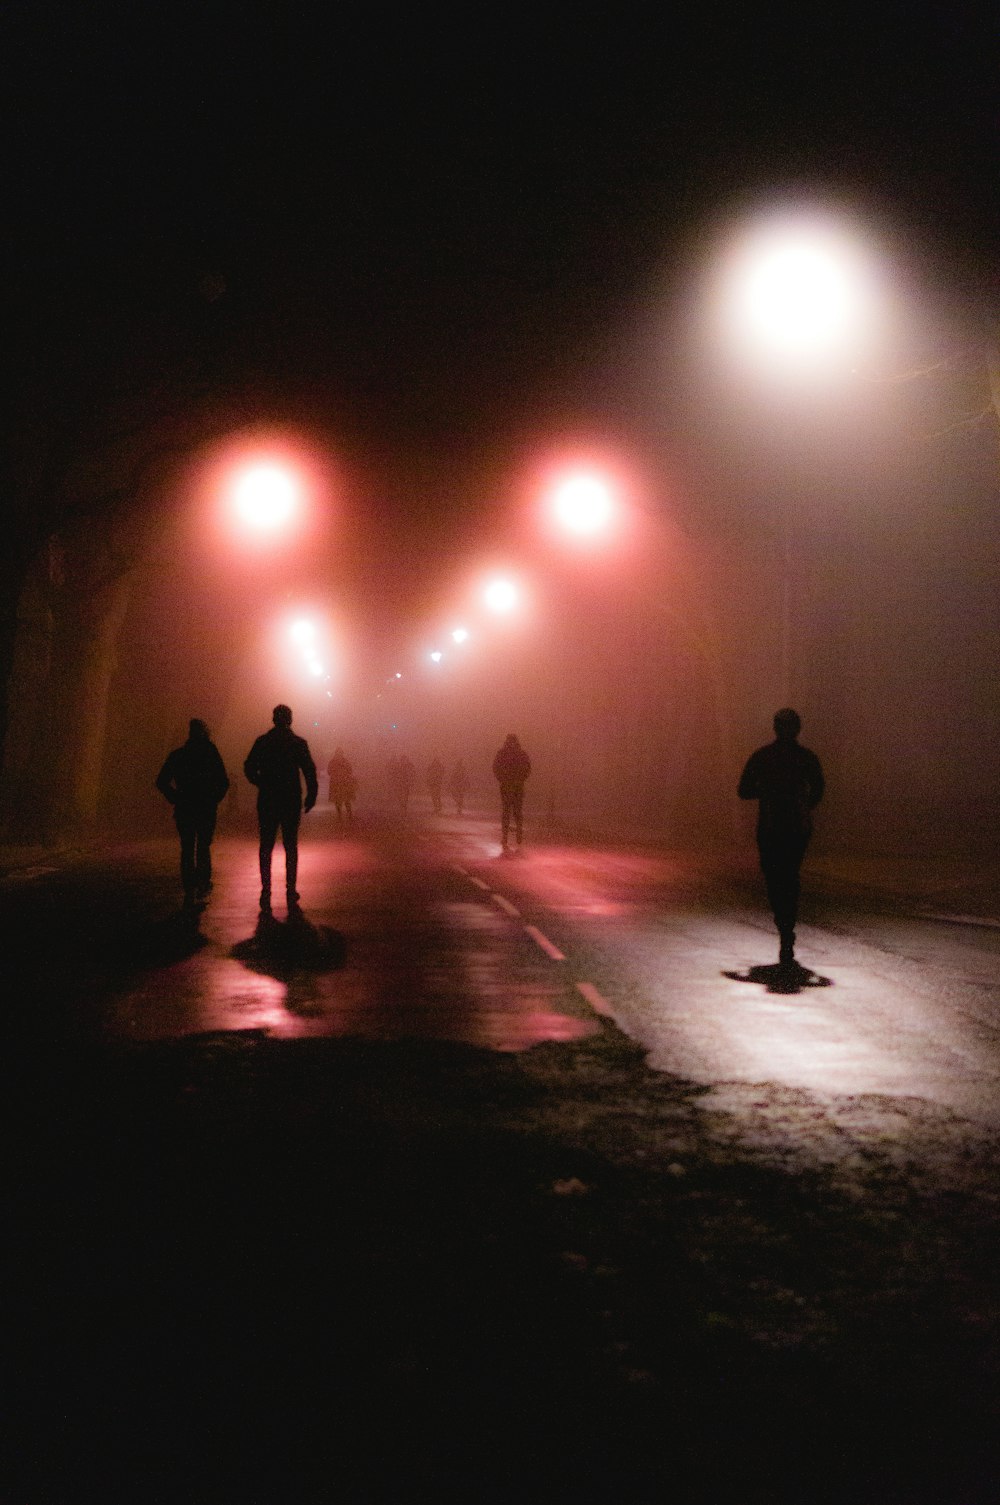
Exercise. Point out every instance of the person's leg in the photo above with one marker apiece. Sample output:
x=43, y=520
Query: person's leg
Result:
x=290, y=841
x=269, y=821
x=506, y=805
x=204, y=832
x=517, y=802
x=780, y=862
x=186, y=831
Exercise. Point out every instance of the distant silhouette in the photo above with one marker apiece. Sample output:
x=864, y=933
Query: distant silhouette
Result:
x=511, y=767
x=458, y=785
x=343, y=784
x=435, y=779
x=194, y=780
x=400, y=773
x=787, y=781
x=274, y=764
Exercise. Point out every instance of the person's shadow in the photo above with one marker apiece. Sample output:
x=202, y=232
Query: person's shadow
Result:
x=165, y=942
x=782, y=977
x=285, y=949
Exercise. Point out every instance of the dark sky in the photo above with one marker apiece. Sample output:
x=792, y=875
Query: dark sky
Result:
x=430, y=218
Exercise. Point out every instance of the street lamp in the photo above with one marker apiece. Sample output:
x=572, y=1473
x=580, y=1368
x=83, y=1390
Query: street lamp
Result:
x=794, y=292
x=501, y=596
x=265, y=496
x=582, y=503
x=794, y=298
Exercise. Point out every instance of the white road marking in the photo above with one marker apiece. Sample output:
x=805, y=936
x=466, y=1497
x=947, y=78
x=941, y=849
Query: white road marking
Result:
x=545, y=943
x=597, y=1003
x=479, y=884
x=506, y=906
x=460, y=870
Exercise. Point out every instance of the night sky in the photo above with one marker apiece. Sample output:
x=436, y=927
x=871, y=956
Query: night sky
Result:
x=430, y=238
x=437, y=224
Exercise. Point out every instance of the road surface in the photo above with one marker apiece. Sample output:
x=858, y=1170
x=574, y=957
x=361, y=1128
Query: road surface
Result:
x=497, y=1178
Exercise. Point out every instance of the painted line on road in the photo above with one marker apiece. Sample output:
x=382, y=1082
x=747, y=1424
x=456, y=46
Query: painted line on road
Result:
x=506, y=906
x=461, y=871
x=597, y=1003
x=479, y=884
x=545, y=943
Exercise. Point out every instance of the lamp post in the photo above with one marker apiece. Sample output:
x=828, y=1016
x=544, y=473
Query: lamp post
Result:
x=794, y=297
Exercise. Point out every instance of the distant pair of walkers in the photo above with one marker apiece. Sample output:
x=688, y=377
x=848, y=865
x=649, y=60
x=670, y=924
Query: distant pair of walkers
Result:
x=194, y=780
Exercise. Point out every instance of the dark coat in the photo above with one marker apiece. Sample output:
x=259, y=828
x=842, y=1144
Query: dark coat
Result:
x=274, y=764
x=511, y=765
x=788, y=782
x=193, y=777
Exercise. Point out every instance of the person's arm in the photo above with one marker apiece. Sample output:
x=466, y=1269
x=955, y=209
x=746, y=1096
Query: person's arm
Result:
x=749, y=785
x=817, y=783
x=252, y=765
x=221, y=778
x=309, y=771
x=165, y=780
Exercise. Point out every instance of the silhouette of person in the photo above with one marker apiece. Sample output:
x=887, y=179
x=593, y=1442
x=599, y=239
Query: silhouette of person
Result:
x=274, y=764
x=787, y=781
x=343, y=784
x=194, y=779
x=458, y=785
x=511, y=766
x=435, y=779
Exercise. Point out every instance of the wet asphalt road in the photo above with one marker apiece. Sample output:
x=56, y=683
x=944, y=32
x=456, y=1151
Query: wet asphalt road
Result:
x=423, y=930
x=293, y=1222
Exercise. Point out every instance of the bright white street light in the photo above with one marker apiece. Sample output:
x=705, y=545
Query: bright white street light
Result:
x=302, y=631
x=460, y=635
x=795, y=289
x=437, y=656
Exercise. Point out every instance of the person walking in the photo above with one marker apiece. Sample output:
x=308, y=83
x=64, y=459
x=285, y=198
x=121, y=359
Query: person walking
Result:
x=194, y=780
x=511, y=767
x=343, y=784
x=435, y=780
x=787, y=781
x=458, y=785
x=277, y=763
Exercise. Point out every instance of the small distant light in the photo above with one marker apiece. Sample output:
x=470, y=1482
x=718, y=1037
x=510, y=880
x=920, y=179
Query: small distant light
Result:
x=398, y=676
x=437, y=656
x=460, y=634
x=329, y=694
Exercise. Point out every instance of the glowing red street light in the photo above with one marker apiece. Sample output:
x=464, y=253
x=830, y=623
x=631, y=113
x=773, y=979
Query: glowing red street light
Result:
x=583, y=503
x=265, y=496
x=501, y=595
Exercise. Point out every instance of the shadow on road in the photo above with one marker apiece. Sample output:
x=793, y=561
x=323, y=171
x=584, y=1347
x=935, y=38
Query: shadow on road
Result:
x=781, y=978
x=284, y=948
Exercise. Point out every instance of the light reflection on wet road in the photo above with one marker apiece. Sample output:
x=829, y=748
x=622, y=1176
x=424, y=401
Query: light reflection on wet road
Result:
x=391, y=942
x=422, y=930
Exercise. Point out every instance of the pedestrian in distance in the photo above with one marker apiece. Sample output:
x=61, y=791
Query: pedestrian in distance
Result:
x=343, y=784
x=277, y=764
x=458, y=785
x=435, y=781
x=787, y=781
x=194, y=780
x=511, y=767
